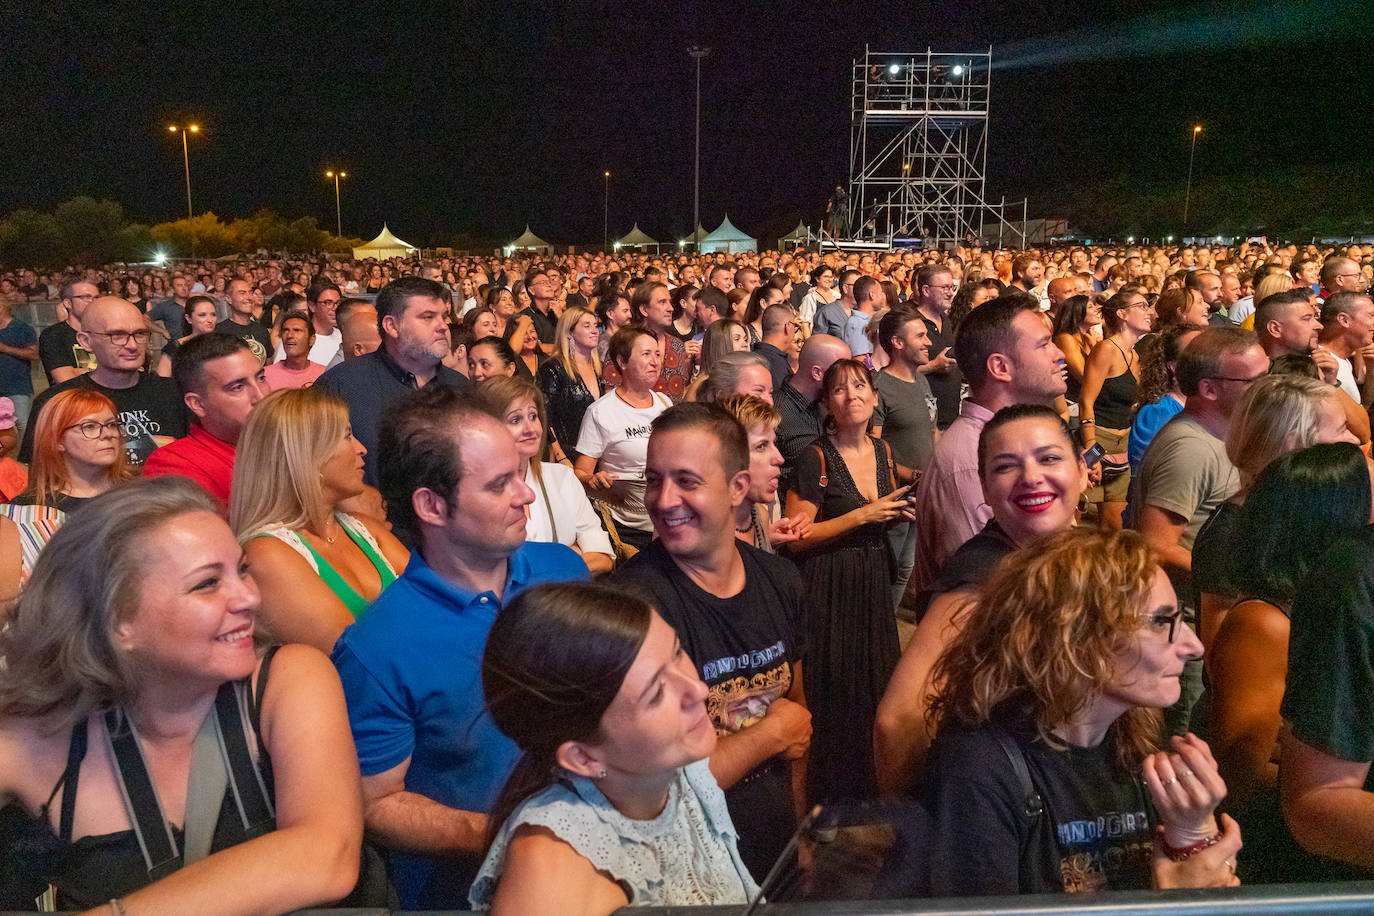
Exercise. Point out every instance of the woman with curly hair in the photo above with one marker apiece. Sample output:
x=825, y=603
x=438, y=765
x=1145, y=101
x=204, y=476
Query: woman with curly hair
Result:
x=1046, y=773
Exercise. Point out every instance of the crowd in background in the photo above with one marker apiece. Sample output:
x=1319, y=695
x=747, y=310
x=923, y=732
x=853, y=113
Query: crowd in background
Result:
x=1088, y=525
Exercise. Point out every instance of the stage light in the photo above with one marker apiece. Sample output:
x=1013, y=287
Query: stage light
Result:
x=894, y=69
x=958, y=70
x=160, y=258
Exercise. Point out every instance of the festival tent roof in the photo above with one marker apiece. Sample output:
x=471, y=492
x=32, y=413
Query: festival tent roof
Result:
x=728, y=239
x=385, y=245
x=801, y=234
x=696, y=238
x=635, y=238
x=528, y=241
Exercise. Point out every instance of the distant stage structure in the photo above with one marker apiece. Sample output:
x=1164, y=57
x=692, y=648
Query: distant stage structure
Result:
x=918, y=152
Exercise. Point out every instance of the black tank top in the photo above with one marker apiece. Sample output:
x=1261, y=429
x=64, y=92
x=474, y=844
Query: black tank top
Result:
x=1118, y=394
x=91, y=870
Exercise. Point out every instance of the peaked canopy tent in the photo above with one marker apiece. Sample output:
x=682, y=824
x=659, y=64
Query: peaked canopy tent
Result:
x=528, y=241
x=798, y=236
x=385, y=245
x=728, y=239
x=695, y=239
x=636, y=238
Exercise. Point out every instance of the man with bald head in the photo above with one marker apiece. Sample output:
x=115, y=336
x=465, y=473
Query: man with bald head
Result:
x=148, y=406
x=357, y=329
x=798, y=400
x=1061, y=289
x=62, y=357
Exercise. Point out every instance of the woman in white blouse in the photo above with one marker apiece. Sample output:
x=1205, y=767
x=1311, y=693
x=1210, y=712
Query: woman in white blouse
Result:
x=561, y=511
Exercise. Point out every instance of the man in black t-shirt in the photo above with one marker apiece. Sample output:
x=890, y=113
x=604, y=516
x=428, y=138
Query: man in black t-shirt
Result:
x=239, y=294
x=62, y=357
x=935, y=288
x=149, y=406
x=738, y=612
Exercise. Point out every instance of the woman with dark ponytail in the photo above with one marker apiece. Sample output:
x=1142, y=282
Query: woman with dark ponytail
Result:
x=613, y=801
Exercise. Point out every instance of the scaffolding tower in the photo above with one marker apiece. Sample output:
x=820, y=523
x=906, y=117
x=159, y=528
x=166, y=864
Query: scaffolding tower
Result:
x=918, y=148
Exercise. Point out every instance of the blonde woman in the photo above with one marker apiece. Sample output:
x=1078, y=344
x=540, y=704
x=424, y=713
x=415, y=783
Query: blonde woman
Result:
x=570, y=380
x=1278, y=414
x=317, y=567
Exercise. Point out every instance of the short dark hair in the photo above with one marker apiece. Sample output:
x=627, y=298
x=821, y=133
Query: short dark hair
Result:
x=1269, y=306
x=312, y=293
x=714, y=419
x=927, y=273
x=1202, y=357
x=417, y=449
x=188, y=362
x=499, y=344
x=987, y=330
x=623, y=341
x=396, y=295
x=891, y=324
x=713, y=297
x=298, y=315
x=1340, y=303
x=862, y=287
x=193, y=301
x=1016, y=412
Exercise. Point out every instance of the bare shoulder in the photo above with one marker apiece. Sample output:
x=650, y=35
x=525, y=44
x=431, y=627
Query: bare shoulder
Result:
x=543, y=873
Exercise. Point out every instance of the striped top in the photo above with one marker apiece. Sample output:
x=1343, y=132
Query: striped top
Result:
x=36, y=525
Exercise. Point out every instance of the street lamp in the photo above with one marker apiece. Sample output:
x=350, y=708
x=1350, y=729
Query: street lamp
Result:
x=697, y=52
x=338, y=212
x=606, y=215
x=1188, y=192
x=186, y=157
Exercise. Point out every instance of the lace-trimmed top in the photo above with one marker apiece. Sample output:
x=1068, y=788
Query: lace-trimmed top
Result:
x=686, y=856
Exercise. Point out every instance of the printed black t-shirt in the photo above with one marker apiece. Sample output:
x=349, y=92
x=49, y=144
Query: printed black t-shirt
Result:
x=745, y=648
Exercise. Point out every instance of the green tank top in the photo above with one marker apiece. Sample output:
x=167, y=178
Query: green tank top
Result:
x=346, y=593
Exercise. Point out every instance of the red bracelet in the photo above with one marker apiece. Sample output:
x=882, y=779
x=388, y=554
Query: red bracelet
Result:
x=1186, y=852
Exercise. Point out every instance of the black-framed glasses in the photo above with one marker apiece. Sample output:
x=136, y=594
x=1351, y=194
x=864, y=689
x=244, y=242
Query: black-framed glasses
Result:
x=1159, y=620
x=92, y=430
x=122, y=338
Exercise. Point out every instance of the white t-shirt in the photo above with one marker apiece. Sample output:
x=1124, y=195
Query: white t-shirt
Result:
x=618, y=436
x=567, y=509
x=1242, y=309
x=1345, y=374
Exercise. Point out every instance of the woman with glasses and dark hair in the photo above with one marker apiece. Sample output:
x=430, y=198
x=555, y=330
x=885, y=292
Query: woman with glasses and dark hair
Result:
x=1046, y=774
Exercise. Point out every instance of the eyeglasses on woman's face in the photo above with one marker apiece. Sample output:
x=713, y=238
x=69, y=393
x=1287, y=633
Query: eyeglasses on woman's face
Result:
x=92, y=429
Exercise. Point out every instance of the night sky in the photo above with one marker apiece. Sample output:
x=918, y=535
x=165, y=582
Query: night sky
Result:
x=477, y=117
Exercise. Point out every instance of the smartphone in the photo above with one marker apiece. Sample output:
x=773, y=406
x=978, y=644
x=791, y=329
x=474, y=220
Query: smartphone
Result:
x=1094, y=454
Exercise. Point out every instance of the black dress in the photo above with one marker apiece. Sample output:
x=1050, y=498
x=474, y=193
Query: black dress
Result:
x=852, y=645
x=566, y=400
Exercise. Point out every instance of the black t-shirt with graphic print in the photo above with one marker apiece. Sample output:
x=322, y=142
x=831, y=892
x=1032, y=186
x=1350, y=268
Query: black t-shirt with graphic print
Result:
x=152, y=413
x=745, y=648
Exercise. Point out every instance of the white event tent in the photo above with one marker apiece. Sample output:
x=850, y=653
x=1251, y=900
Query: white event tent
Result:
x=385, y=245
x=728, y=239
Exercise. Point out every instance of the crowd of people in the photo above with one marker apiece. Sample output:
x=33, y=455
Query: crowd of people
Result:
x=590, y=580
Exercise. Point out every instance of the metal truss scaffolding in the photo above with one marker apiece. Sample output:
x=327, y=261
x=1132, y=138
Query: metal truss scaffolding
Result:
x=918, y=147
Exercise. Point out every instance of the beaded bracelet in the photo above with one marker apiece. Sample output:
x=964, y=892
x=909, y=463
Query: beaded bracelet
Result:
x=1187, y=852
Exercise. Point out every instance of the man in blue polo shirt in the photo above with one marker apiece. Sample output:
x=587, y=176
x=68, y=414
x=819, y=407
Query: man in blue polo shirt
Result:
x=432, y=760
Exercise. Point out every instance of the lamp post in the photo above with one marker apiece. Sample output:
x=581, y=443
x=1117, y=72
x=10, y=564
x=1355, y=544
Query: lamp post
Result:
x=1188, y=191
x=697, y=52
x=606, y=215
x=186, y=158
x=338, y=212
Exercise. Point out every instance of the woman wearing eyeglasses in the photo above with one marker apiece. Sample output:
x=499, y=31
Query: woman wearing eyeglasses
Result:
x=1061, y=670
x=78, y=453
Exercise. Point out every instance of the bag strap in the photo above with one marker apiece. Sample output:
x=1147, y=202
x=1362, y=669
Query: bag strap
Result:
x=1034, y=806
x=245, y=782
x=155, y=840
x=76, y=752
x=891, y=468
x=825, y=480
x=553, y=522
